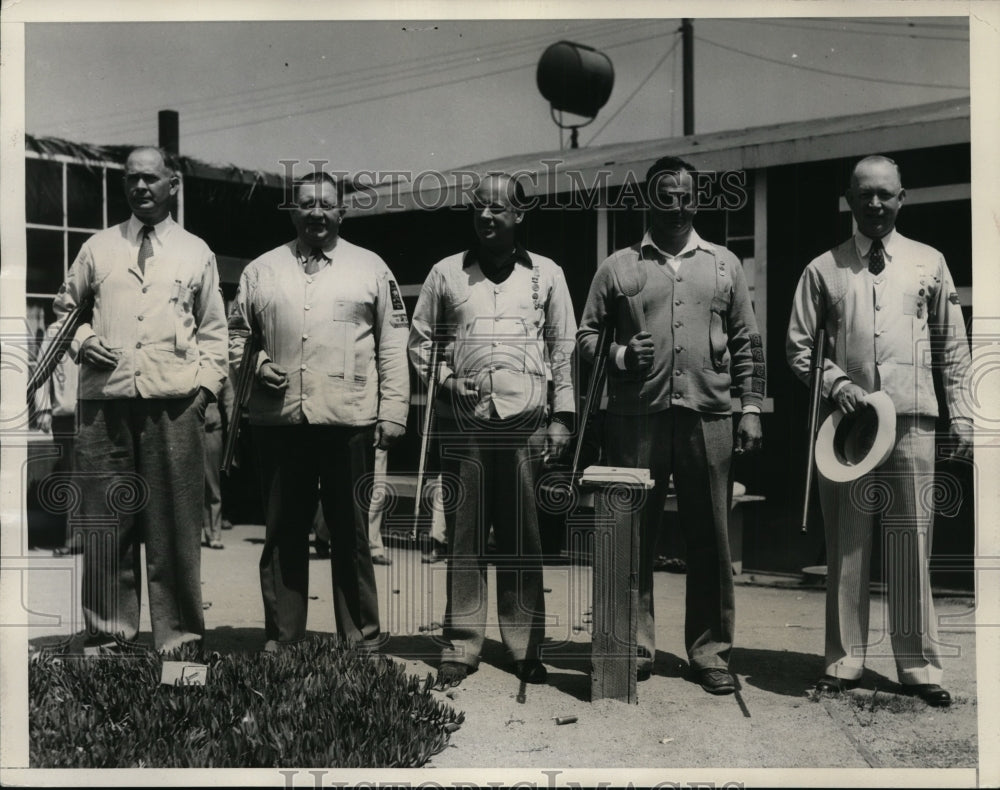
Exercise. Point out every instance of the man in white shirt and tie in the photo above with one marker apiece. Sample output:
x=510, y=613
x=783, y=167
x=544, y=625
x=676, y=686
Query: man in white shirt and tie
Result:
x=887, y=303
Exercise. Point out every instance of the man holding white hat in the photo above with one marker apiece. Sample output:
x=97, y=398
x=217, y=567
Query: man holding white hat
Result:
x=886, y=302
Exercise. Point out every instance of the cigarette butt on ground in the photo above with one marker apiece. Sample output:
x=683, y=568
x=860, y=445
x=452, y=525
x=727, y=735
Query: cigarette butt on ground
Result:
x=564, y=719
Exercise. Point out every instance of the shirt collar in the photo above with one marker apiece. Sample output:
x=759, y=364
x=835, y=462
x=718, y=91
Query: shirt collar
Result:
x=694, y=242
x=160, y=229
x=303, y=254
x=520, y=255
x=863, y=244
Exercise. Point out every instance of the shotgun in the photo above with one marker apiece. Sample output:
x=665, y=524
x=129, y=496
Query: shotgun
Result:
x=815, y=396
x=593, y=391
x=432, y=387
x=58, y=346
x=241, y=396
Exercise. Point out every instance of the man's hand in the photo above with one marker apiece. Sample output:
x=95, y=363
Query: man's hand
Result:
x=94, y=353
x=849, y=398
x=44, y=421
x=273, y=377
x=462, y=390
x=387, y=434
x=639, y=352
x=748, y=435
x=556, y=440
x=962, y=436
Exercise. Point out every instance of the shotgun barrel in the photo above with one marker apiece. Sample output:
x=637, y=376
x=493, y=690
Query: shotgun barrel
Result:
x=57, y=347
x=432, y=388
x=593, y=391
x=241, y=396
x=815, y=396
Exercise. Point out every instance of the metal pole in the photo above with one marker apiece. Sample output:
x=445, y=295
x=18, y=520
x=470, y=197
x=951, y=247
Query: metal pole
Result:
x=170, y=136
x=687, y=50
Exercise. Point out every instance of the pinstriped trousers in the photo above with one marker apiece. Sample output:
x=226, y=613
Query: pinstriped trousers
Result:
x=899, y=494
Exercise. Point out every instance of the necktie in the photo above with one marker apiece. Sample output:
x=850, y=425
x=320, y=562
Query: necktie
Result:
x=145, y=248
x=876, y=258
x=315, y=260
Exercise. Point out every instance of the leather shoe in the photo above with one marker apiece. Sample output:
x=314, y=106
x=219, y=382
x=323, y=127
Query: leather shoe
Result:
x=530, y=670
x=828, y=684
x=717, y=681
x=931, y=693
x=451, y=674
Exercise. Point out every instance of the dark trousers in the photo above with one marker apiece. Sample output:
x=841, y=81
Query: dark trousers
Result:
x=491, y=475
x=299, y=465
x=212, y=518
x=697, y=449
x=140, y=465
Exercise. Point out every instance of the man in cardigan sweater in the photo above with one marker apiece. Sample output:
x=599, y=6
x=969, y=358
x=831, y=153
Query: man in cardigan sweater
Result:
x=886, y=302
x=332, y=385
x=684, y=329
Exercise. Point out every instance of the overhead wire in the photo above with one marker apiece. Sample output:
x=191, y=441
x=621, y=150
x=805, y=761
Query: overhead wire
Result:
x=830, y=72
x=833, y=29
x=393, y=94
x=411, y=69
x=638, y=88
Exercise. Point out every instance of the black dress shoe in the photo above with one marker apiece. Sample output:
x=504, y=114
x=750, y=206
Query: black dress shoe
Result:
x=716, y=681
x=931, y=693
x=828, y=684
x=531, y=670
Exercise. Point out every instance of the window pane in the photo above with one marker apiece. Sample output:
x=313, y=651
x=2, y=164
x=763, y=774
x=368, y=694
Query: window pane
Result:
x=43, y=192
x=83, y=196
x=45, y=261
x=76, y=241
x=118, y=210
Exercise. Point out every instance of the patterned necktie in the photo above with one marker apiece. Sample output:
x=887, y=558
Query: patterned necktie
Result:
x=145, y=248
x=314, y=261
x=876, y=258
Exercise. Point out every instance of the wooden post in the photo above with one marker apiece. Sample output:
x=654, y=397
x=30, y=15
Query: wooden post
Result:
x=618, y=496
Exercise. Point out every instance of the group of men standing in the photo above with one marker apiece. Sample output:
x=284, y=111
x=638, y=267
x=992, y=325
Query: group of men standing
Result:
x=332, y=385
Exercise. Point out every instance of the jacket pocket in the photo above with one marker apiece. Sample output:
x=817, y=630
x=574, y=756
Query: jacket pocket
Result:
x=718, y=335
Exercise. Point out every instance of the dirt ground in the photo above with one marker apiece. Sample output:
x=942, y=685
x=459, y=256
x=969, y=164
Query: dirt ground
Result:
x=772, y=722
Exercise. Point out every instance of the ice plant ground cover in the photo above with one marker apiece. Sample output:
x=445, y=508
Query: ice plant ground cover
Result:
x=313, y=705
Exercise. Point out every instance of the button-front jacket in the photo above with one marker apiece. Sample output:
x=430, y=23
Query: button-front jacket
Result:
x=887, y=331
x=702, y=322
x=166, y=325
x=508, y=337
x=339, y=334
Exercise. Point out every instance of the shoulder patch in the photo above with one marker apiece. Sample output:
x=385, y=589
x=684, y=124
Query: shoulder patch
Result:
x=397, y=320
x=397, y=299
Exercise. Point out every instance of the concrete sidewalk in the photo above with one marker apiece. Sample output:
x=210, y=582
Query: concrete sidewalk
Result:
x=770, y=723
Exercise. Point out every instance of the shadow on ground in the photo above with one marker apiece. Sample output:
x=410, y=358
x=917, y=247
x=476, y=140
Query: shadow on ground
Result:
x=789, y=673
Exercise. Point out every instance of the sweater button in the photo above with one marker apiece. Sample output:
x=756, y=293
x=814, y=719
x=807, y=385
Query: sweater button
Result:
x=678, y=302
x=678, y=349
x=677, y=323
